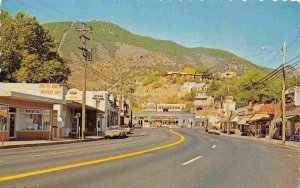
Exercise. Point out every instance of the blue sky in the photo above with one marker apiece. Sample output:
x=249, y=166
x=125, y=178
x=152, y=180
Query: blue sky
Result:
x=237, y=26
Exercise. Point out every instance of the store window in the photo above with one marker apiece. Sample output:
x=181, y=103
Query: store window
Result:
x=3, y=117
x=35, y=119
x=46, y=119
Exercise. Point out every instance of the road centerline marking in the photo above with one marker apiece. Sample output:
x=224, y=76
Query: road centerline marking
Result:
x=192, y=160
x=214, y=146
x=96, y=161
x=212, y=140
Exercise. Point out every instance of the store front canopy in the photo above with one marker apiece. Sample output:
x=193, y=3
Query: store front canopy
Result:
x=243, y=121
x=258, y=117
x=17, y=96
x=78, y=106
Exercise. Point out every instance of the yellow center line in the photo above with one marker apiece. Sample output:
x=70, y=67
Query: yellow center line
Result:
x=101, y=160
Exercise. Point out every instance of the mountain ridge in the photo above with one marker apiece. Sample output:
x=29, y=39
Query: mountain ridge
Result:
x=119, y=54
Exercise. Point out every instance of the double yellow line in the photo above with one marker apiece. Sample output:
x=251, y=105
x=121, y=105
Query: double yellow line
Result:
x=101, y=160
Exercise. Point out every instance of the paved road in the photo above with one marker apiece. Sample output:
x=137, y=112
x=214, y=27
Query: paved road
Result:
x=202, y=160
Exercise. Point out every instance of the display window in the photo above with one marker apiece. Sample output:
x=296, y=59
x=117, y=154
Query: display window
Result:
x=3, y=117
x=35, y=119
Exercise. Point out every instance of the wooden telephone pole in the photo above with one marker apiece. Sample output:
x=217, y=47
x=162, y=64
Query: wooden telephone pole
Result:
x=283, y=93
x=227, y=105
x=83, y=32
x=120, y=99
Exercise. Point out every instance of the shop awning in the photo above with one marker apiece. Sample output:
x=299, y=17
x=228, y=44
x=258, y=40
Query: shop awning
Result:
x=28, y=97
x=257, y=117
x=243, y=121
x=78, y=105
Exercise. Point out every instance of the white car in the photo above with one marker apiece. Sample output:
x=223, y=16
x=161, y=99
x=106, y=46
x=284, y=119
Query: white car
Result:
x=115, y=132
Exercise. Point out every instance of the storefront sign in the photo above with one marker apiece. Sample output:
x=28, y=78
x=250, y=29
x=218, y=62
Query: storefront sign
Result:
x=50, y=89
x=266, y=109
x=74, y=95
x=33, y=111
x=98, y=97
x=293, y=111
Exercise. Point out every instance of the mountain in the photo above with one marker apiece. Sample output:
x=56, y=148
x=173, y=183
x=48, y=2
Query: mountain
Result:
x=116, y=51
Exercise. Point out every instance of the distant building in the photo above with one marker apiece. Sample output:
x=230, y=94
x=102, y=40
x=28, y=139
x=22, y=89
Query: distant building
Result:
x=170, y=107
x=150, y=107
x=189, y=86
x=197, y=77
x=203, y=100
x=164, y=119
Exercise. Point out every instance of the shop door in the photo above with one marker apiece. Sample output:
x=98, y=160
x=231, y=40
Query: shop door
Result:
x=12, y=122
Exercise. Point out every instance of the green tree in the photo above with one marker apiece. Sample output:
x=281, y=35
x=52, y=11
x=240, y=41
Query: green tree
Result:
x=293, y=81
x=246, y=88
x=28, y=52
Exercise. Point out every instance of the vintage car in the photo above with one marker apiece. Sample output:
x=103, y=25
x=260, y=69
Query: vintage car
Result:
x=115, y=132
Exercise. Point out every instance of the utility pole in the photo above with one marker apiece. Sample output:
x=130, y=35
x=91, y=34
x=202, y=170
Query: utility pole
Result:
x=227, y=105
x=283, y=93
x=83, y=32
x=120, y=99
x=131, y=107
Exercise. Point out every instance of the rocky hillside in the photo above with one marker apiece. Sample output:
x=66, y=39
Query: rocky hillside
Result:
x=116, y=51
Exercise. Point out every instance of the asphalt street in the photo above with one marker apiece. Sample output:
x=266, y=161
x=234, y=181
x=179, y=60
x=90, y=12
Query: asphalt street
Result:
x=202, y=160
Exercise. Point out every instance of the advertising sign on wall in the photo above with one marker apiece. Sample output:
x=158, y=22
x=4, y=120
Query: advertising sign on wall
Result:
x=74, y=95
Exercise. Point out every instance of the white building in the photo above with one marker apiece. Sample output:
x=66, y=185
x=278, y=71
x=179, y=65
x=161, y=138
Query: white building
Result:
x=39, y=111
x=189, y=86
x=203, y=100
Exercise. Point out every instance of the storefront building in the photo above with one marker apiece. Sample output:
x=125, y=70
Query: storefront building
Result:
x=293, y=113
x=26, y=117
x=101, y=111
x=54, y=92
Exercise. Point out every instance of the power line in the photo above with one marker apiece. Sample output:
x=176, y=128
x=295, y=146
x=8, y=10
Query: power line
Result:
x=59, y=11
x=277, y=70
x=294, y=41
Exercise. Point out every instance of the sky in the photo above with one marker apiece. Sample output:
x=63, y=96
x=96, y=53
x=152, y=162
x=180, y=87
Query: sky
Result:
x=238, y=26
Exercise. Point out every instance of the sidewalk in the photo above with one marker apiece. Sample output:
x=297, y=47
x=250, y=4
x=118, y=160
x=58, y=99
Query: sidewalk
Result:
x=32, y=143
x=267, y=140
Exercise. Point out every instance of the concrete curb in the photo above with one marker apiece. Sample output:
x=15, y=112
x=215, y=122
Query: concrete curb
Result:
x=49, y=143
x=264, y=141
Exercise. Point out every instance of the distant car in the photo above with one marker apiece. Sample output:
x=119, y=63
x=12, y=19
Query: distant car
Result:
x=137, y=126
x=127, y=130
x=115, y=132
x=213, y=131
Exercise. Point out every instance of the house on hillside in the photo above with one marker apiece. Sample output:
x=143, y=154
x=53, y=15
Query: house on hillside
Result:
x=195, y=77
x=189, y=86
x=203, y=100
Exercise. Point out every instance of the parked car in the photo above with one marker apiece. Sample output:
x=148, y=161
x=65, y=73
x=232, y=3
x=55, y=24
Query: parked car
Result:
x=115, y=132
x=127, y=130
x=213, y=130
x=137, y=126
